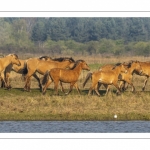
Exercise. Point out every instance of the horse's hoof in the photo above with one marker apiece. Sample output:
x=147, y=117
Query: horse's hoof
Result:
x=44, y=93
x=66, y=93
x=118, y=94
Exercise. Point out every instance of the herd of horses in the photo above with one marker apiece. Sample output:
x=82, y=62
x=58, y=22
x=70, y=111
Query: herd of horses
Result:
x=67, y=70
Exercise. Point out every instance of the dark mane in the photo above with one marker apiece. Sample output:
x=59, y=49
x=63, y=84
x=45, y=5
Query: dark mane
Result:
x=16, y=55
x=118, y=64
x=76, y=63
x=63, y=59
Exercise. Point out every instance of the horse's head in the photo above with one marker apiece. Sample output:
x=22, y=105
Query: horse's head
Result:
x=121, y=67
x=14, y=59
x=137, y=67
x=84, y=65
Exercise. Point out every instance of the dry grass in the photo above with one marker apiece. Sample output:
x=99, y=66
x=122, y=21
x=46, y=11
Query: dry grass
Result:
x=18, y=105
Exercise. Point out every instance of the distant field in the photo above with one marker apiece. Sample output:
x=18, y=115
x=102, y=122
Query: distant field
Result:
x=15, y=104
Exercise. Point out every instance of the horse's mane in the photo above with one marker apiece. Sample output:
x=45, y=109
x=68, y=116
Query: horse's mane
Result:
x=15, y=55
x=76, y=63
x=63, y=58
x=46, y=57
x=117, y=64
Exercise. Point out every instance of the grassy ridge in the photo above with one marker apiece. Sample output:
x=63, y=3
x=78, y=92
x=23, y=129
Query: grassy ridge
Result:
x=18, y=105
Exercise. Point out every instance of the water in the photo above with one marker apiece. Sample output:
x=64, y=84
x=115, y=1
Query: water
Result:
x=74, y=127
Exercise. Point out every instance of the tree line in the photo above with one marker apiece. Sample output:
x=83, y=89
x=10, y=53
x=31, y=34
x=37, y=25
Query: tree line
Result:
x=71, y=35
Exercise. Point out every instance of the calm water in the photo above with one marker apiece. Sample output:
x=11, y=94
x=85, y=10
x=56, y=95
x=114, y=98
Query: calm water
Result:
x=74, y=127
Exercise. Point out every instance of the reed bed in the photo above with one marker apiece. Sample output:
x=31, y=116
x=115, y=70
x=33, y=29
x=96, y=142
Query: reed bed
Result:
x=15, y=104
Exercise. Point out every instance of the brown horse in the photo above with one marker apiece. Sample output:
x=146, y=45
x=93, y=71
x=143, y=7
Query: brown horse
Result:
x=110, y=67
x=64, y=75
x=41, y=66
x=19, y=69
x=108, y=77
x=145, y=72
x=6, y=61
x=8, y=69
x=135, y=66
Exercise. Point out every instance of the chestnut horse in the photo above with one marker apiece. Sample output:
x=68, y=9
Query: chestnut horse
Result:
x=64, y=75
x=6, y=61
x=41, y=66
x=19, y=69
x=135, y=66
x=131, y=67
x=108, y=77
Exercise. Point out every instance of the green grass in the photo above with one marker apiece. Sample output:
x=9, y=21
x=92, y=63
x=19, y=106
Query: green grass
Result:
x=18, y=105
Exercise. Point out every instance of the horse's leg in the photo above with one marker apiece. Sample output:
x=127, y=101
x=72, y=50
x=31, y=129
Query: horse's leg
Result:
x=99, y=85
x=56, y=82
x=46, y=86
x=7, y=76
x=97, y=88
x=145, y=82
x=107, y=88
x=76, y=86
x=62, y=88
x=129, y=82
x=3, y=80
x=122, y=85
x=71, y=87
x=126, y=86
x=118, y=89
x=2, y=83
x=37, y=78
x=94, y=83
x=29, y=85
x=27, y=81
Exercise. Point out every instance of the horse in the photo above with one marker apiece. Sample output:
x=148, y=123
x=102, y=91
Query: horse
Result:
x=37, y=65
x=64, y=75
x=10, y=59
x=135, y=66
x=110, y=67
x=145, y=72
x=108, y=77
x=19, y=69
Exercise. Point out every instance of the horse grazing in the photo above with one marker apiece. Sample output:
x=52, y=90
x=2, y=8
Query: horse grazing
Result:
x=6, y=61
x=34, y=65
x=124, y=78
x=107, y=77
x=64, y=75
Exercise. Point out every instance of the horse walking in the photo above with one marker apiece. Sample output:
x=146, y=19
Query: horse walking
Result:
x=6, y=61
x=108, y=77
x=64, y=75
x=19, y=69
x=41, y=66
x=124, y=78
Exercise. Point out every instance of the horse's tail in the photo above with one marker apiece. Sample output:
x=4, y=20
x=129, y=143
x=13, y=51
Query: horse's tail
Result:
x=46, y=77
x=88, y=76
x=24, y=70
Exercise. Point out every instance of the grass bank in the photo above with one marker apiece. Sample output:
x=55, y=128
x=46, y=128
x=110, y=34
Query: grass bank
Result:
x=18, y=105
